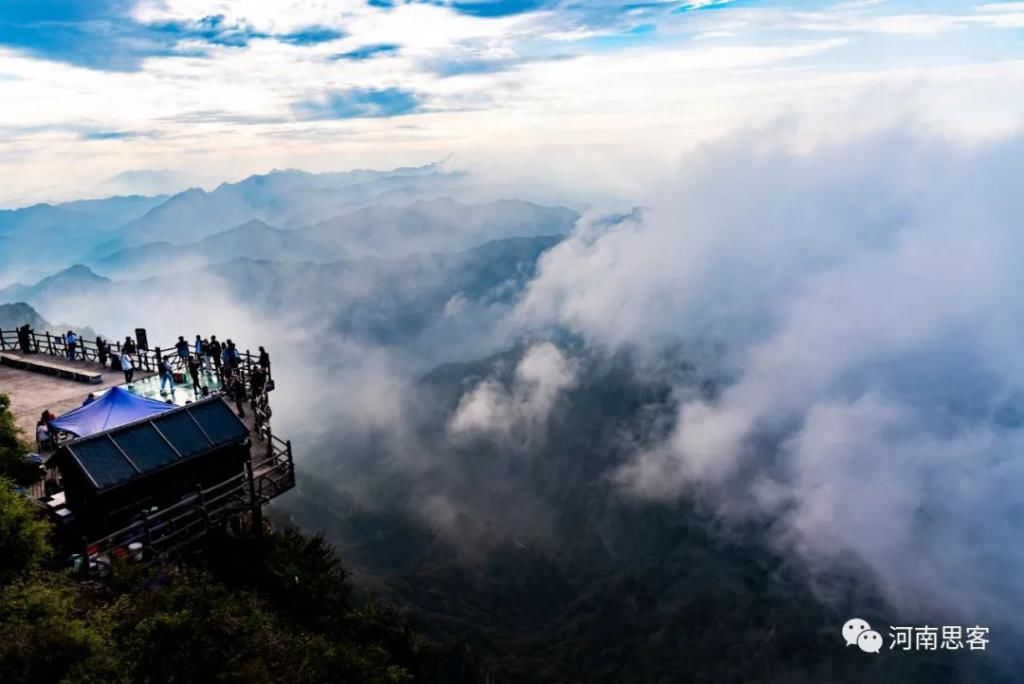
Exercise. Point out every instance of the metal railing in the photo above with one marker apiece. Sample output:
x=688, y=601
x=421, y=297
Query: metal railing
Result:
x=88, y=350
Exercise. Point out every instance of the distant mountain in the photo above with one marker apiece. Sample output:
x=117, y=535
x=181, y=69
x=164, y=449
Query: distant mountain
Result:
x=386, y=301
x=145, y=182
x=17, y=314
x=286, y=198
x=438, y=225
x=47, y=236
x=253, y=239
x=13, y=316
x=384, y=231
x=77, y=281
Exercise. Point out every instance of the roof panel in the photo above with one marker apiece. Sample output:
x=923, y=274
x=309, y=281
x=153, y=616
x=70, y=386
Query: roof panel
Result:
x=145, y=447
x=156, y=442
x=219, y=421
x=103, y=462
x=184, y=434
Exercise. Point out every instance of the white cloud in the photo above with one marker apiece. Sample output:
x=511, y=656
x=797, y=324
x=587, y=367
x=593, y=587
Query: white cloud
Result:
x=517, y=413
x=867, y=293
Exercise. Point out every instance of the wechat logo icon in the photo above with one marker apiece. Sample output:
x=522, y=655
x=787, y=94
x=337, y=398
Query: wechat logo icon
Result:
x=857, y=632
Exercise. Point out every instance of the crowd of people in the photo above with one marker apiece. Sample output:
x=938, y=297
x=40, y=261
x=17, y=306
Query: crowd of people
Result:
x=198, y=362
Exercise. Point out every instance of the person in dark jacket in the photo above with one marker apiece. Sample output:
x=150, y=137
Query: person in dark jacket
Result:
x=166, y=374
x=102, y=350
x=25, y=339
x=214, y=351
x=265, y=361
x=182, y=348
x=193, y=370
x=129, y=346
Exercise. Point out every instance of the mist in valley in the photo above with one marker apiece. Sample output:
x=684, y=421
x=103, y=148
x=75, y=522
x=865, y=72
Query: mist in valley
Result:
x=784, y=386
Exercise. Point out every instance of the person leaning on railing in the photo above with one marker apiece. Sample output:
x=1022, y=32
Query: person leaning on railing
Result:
x=102, y=351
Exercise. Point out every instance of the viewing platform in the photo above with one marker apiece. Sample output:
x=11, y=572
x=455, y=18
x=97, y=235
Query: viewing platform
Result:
x=32, y=392
x=142, y=473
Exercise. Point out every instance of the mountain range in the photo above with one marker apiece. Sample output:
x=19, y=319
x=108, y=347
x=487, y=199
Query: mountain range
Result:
x=383, y=231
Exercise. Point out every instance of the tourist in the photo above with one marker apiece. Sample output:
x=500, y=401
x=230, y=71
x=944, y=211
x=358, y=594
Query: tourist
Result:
x=25, y=339
x=89, y=399
x=258, y=385
x=182, y=346
x=237, y=391
x=128, y=366
x=42, y=436
x=199, y=350
x=46, y=417
x=207, y=364
x=231, y=356
x=71, y=339
x=166, y=374
x=265, y=361
x=129, y=346
x=193, y=371
x=214, y=352
x=102, y=350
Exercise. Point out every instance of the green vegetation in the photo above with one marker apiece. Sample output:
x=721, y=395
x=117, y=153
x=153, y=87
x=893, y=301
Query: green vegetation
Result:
x=236, y=609
x=13, y=465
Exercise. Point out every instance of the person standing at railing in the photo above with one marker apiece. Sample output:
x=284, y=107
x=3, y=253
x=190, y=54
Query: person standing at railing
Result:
x=264, y=361
x=236, y=389
x=25, y=339
x=200, y=352
x=71, y=339
x=231, y=356
x=129, y=346
x=182, y=348
x=102, y=351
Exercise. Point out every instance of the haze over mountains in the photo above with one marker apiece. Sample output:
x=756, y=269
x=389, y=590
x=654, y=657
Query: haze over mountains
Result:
x=599, y=446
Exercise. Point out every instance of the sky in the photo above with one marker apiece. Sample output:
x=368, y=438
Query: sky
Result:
x=605, y=93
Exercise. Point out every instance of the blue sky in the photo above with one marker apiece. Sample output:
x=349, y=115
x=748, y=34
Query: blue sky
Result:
x=248, y=84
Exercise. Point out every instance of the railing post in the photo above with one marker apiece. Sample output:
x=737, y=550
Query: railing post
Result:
x=202, y=505
x=49, y=343
x=255, y=504
x=85, y=556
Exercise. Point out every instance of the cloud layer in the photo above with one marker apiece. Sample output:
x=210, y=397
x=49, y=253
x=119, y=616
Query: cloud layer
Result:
x=867, y=294
x=603, y=93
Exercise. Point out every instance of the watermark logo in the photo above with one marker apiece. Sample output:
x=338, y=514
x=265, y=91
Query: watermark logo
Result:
x=853, y=628
x=857, y=632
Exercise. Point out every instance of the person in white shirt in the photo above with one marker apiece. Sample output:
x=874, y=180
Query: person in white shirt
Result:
x=42, y=435
x=128, y=366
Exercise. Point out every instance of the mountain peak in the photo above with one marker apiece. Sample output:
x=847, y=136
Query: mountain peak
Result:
x=76, y=273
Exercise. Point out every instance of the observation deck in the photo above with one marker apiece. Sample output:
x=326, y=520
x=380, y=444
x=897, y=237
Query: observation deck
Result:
x=141, y=481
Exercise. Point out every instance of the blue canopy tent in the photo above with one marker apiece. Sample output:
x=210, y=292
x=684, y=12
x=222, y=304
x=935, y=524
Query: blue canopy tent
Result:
x=115, y=407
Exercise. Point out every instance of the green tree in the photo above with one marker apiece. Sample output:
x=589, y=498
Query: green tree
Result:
x=49, y=634
x=24, y=537
x=13, y=465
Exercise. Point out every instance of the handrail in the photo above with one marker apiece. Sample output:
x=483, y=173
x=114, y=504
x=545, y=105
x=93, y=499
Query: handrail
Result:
x=55, y=345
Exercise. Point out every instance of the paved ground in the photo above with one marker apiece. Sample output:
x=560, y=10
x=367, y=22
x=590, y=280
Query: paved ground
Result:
x=31, y=393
